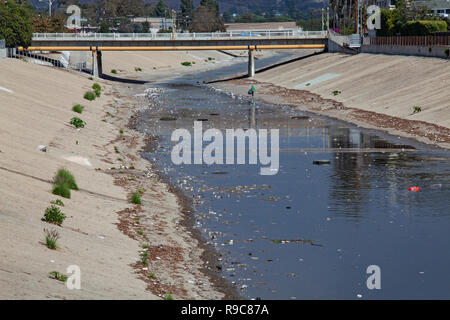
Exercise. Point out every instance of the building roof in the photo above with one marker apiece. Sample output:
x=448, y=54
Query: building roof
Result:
x=261, y=26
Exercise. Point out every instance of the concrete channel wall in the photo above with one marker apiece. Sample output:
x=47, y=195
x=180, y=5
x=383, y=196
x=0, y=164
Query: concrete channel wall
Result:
x=425, y=51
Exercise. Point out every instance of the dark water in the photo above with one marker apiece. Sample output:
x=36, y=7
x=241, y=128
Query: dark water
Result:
x=337, y=219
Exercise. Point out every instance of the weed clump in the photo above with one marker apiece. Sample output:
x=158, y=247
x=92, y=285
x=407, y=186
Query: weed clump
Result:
x=97, y=89
x=417, y=109
x=77, y=122
x=77, y=108
x=54, y=215
x=336, y=92
x=114, y=71
x=186, y=64
x=89, y=96
x=57, y=202
x=58, y=276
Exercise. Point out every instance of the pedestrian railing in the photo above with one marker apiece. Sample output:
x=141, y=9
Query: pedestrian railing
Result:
x=257, y=34
x=432, y=40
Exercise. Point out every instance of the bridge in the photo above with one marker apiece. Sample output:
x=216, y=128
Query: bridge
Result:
x=233, y=40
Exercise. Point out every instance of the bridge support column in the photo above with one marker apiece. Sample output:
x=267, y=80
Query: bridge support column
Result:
x=251, y=63
x=97, y=65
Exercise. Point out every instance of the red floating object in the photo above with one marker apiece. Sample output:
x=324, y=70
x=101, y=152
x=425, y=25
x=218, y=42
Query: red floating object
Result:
x=414, y=189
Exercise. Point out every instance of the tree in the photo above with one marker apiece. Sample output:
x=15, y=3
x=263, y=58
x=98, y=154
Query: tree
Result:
x=15, y=24
x=206, y=20
x=161, y=9
x=45, y=24
x=187, y=10
x=211, y=4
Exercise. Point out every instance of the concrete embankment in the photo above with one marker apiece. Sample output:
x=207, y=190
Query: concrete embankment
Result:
x=374, y=90
x=104, y=234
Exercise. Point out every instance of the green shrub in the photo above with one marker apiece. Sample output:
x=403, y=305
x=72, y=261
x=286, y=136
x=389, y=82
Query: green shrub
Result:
x=151, y=275
x=51, y=237
x=423, y=27
x=77, y=108
x=136, y=198
x=89, y=96
x=54, y=215
x=137, y=69
x=186, y=64
x=114, y=71
x=168, y=297
x=58, y=276
x=57, y=202
x=64, y=176
x=447, y=52
x=77, y=122
x=417, y=109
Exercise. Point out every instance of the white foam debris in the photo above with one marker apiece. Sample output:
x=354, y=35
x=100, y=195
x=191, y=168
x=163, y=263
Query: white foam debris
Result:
x=6, y=90
x=80, y=160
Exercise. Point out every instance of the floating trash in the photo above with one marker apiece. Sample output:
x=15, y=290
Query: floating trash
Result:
x=167, y=119
x=414, y=189
x=299, y=117
x=321, y=162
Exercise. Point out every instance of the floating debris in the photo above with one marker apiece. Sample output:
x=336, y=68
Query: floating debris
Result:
x=168, y=119
x=321, y=162
x=299, y=117
x=284, y=241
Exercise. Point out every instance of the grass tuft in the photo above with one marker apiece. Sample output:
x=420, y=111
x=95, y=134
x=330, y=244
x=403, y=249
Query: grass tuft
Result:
x=186, y=64
x=136, y=198
x=64, y=176
x=114, y=71
x=62, y=190
x=168, y=297
x=51, y=237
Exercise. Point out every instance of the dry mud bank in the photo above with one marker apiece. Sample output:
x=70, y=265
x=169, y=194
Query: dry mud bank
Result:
x=104, y=234
x=374, y=91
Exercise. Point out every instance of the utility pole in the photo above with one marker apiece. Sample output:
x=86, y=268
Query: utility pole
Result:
x=322, y=19
x=356, y=16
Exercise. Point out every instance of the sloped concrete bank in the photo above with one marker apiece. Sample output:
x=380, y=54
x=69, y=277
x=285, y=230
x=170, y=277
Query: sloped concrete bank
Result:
x=124, y=251
x=371, y=90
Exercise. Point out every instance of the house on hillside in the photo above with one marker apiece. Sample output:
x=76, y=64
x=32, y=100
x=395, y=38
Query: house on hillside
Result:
x=440, y=7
